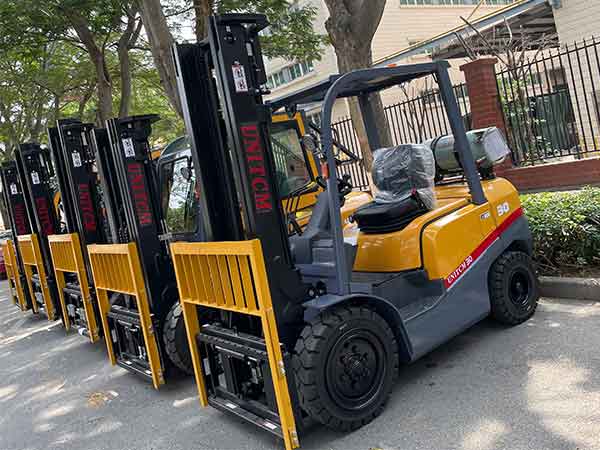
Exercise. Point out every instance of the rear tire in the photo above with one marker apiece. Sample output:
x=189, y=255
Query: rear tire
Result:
x=514, y=289
x=345, y=364
x=175, y=340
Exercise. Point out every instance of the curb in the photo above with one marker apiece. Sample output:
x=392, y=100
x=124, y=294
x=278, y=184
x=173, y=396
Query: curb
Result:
x=573, y=288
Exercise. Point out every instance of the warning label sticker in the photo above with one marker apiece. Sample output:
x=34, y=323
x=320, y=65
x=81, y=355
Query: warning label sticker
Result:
x=128, y=148
x=35, y=178
x=239, y=78
x=76, y=159
x=13, y=189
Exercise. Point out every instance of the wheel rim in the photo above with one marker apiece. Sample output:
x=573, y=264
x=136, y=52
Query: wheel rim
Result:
x=519, y=288
x=355, y=369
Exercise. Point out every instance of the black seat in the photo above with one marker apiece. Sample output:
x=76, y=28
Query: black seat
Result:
x=388, y=217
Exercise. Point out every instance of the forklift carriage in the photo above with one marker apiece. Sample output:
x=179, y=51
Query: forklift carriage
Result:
x=313, y=326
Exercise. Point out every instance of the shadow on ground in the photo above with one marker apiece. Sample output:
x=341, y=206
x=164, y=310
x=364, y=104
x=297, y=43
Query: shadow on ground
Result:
x=535, y=386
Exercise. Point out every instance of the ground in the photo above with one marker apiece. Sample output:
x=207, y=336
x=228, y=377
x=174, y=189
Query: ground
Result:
x=535, y=386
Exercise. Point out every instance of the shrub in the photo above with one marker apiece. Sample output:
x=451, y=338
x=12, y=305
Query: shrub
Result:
x=565, y=227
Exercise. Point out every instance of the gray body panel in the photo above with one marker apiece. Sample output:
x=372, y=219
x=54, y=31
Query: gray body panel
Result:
x=424, y=313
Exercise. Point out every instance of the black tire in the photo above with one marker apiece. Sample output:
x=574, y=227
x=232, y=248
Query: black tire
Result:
x=514, y=289
x=345, y=365
x=175, y=340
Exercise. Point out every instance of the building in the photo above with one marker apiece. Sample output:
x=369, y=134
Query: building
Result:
x=404, y=23
x=576, y=19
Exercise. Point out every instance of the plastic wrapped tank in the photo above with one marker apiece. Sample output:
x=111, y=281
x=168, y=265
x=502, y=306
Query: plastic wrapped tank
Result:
x=488, y=147
x=401, y=170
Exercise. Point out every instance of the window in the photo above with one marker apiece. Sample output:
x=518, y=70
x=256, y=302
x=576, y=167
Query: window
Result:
x=291, y=168
x=180, y=203
x=289, y=74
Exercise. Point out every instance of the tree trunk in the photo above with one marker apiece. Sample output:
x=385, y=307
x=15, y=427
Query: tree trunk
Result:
x=13, y=136
x=126, y=41
x=85, y=98
x=351, y=26
x=161, y=42
x=104, y=84
x=203, y=9
x=104, y=89
x=37, y=124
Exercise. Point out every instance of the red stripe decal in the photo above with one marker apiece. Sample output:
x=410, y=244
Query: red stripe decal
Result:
x=487, y=242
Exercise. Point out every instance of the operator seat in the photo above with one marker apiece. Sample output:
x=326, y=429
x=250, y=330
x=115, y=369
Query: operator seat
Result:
x=404, y=178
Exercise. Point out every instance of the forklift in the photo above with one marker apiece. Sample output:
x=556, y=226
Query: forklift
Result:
x=16, y=206
x=313, y=327
x=29, y=177
x=74, y=147
x=133, y=276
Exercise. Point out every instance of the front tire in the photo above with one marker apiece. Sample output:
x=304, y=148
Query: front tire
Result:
x=345, y=363
x=514, y=289
x=175, y=340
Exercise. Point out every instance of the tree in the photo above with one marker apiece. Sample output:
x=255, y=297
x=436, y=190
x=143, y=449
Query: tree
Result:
x=202, y=9
x=36, y=84
x=93, y=26
x=161, y=41
x=124, y=46
x=292, y=36
x=351, y=27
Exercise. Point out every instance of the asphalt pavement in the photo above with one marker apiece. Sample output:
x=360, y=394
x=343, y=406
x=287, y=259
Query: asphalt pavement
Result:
x=535, y=386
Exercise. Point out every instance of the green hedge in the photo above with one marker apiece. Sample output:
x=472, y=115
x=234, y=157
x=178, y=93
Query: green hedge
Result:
x=565, y=227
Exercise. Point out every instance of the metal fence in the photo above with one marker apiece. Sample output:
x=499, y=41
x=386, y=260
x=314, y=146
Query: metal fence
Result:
x=550, y=104
x=414, y=120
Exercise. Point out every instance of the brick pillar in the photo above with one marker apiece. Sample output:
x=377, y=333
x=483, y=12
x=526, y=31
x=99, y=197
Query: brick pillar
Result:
x=486, y=109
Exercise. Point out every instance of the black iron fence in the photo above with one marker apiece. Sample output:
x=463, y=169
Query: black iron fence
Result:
x=551, y=104
x=414, y=120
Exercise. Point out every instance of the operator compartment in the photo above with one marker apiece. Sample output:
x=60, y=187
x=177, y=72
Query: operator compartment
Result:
x=423, y=209
x=403, y=176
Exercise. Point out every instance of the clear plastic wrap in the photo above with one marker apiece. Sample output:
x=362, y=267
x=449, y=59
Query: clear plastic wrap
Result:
x=398, y=171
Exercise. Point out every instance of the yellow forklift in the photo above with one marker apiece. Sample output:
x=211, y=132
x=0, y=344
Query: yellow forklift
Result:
x=312, y=327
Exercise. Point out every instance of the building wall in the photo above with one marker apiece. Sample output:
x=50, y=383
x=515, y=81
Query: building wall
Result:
x=401, y=26
x=577, y=20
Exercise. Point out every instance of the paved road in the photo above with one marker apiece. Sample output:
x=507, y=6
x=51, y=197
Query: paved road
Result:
x=536, y=386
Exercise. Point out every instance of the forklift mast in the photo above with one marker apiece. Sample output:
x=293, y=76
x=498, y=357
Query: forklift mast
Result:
x=17, y=205
x=141, y=218
x=35, y=171
x=75, y=161
x=111, y=201
x=66, y=200
x=244, y=151
x=16, y=200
